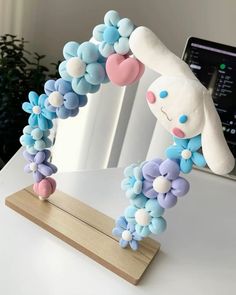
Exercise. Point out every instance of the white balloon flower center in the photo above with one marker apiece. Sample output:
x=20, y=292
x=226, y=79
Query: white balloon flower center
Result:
x=142, y=217
x=75, y=67
x=186, y=154
x=33, y=166
x=56, y=99
x=161, y=184
x=126, y=235
x=36, y=110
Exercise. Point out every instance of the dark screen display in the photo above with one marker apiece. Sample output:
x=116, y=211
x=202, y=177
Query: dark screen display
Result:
x=214, y=65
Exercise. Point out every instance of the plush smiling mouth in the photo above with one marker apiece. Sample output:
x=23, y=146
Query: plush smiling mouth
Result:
x=169, y=119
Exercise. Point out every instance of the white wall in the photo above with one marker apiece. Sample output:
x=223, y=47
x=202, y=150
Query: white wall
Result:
x=48, y=24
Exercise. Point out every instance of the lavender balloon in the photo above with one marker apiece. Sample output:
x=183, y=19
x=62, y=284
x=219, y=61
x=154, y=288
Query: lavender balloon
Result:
x=162, y=181
x=38, y=165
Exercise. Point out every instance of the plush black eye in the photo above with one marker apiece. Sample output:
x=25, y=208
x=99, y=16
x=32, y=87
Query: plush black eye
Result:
x=183, y=119
x=163, y=94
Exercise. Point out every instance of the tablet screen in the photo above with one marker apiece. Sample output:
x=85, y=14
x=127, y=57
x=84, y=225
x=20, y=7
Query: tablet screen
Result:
x=214, y=65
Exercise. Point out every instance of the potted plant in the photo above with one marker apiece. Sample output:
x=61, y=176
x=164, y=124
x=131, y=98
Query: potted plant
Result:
x=20, y=72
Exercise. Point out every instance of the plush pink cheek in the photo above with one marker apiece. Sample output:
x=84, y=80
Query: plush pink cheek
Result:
x=151, y=98
x=178, y=132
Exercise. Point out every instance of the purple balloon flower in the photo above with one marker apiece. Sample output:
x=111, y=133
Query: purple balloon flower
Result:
x=38, y=165
x=162, y=181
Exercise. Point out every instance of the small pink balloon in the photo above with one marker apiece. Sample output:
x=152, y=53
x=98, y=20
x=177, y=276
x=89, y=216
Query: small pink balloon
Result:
x=123, y=70
x=45, y=187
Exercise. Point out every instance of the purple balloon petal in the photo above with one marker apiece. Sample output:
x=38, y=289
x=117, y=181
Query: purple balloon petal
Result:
x=28, y=156
x=49, y=87
x=37, y=176
x=148, y=190
x=39, y=157
x=169, y=169
x=45, y=170
x=53, y=167
x=27, y=169
x=167, y=200
x=47, y=154
x=151, y=169
x=180, y=187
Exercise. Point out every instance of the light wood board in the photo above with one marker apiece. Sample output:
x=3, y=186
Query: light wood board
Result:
x=86, y=229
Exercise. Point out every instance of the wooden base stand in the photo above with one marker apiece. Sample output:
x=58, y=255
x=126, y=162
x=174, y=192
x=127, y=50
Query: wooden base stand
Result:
x=86, y=229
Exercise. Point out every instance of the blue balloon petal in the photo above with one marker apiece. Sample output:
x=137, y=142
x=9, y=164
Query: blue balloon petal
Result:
x=142, y=231
x=158, y=225
x=123, y=243
x=88, y=52
x=81, y=86
x=42, y=122
x=121, y=222
x=198, y=159
x=139, y=201
x=33, y=98
x=33, y=120
x=82, y=100
x=195, y=143
x=133, y=245
x=98, y=32
x=47, y=114
x=174, y=152
x=63, y=86
x=186, y=165
x=70, y=49
x=181, y=142
x=125, y=27
x=41, y=100
x=111, y=18
x=137, y=237
x=154, y=209
x=117, y=232
x=63, y=72
x=94, y=88
x=62, y=112
x=27, y=107
x=49, y=87
x=95, y=73
x=130, y=213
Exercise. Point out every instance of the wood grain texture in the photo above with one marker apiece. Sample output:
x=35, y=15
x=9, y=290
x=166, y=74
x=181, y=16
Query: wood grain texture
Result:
x=86, y=229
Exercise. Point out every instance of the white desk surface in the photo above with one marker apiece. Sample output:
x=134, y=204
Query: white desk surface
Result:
x=198, y=253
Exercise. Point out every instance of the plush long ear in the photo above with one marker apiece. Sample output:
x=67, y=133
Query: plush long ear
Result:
x=215, y=149
x=154, y=54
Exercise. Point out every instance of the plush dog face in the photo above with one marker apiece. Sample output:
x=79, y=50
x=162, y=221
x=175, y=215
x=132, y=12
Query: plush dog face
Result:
x=177, y=103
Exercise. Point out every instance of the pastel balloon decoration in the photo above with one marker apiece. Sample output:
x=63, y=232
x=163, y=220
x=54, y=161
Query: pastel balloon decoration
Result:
x=45, y=188
x=177, y=99
x=123, y=70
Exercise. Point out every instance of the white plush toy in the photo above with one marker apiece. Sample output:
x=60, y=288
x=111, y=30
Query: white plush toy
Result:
x=180, y=102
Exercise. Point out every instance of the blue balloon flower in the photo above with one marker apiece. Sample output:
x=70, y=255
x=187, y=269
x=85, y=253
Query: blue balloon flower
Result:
x=62, y=100
x=83, y=66
x=114, y=34
x=132, y=184
x=40, y=116
x=148, y=219
x=127, y=234
x=186, y=150
x=35, y=140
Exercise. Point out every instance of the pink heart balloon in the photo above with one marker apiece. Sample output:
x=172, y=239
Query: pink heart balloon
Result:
x=45, y=187
x=123, y=70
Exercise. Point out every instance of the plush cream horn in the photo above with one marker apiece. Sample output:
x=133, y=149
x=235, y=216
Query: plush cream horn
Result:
x=180, y=102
